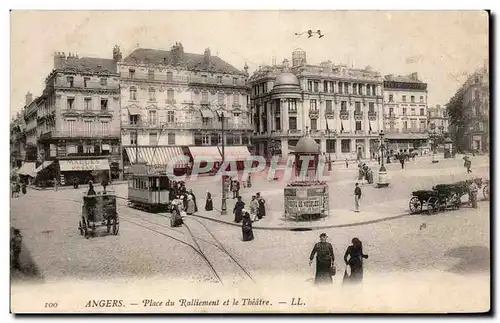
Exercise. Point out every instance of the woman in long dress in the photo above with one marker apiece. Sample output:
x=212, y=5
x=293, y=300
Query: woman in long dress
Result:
x=190, y=206
x=353, y=258
x=246, y=227
x=238, y=208
x=209, y=205
x=324, y=260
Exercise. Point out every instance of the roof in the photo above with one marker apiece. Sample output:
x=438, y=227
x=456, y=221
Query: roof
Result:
x=89, y=64
x=402, y=79
x=193, y=61
x=286, y=79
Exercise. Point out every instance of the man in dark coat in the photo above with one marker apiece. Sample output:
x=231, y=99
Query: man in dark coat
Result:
x=324, y=260
x=261, y=210
x=238, y=210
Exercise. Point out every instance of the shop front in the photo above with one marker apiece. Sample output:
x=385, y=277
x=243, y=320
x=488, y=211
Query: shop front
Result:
x=83, y=171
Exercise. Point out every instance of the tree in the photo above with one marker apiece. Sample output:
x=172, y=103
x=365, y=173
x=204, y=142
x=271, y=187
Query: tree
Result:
x=458, y=118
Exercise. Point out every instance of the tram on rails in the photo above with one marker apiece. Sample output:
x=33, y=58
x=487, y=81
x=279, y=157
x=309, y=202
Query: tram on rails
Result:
x=149, y=190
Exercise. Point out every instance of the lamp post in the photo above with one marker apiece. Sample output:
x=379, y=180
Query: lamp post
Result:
x=382, y=173
x=223, y=208
x=434, y=144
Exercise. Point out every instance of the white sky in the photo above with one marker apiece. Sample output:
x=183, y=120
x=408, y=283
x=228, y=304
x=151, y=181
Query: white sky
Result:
x=447, y=44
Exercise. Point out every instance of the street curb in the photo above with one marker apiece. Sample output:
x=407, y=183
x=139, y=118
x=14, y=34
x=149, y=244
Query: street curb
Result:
x=71, y=187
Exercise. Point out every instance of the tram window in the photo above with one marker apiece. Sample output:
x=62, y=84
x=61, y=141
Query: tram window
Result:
x=164, y=183
x=152, y=184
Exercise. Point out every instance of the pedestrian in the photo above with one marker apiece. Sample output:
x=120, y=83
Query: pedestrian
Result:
x=357, y=197
x=353, y=258
x=209, y=205
x=254, y=205
x=237, y=210
x=473, y=188
x=261, y=209
x=176, y=209
x=346, y=163
x=91, y=190
x=15, y=248
x=104, y=184
x=402, y=161
x=194, y=200
x=468, y=165
x=325, y=258
x=75, y=182
x=235, y=188
x=246, y=226
x=23, y=188
x=190, y=208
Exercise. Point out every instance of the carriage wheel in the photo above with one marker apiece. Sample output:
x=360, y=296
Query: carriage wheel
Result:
x=415, y=205
x=456, y=201
x=116, y=226
x=84, y=227
x=486, y=191
x=432, y=205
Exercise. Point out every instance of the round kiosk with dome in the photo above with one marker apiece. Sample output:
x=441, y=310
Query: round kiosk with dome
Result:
x=306, y=198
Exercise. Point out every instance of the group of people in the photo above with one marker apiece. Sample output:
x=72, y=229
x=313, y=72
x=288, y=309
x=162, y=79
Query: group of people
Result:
x=325, y=261
x=17, y=188
x=183, y=203
x=242, y=215
x=365, y=173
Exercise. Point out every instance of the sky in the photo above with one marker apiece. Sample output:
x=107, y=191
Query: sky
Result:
x=442, y=46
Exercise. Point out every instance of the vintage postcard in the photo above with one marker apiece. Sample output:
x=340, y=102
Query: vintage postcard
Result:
x=250, y=162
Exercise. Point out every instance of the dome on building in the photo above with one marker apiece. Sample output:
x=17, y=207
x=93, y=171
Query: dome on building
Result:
x=307, y=145
x=286, y=79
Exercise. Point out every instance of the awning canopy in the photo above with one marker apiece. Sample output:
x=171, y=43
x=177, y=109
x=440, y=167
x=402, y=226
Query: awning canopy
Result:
x=27, y=168
x=44, y=165
x=206, y=113
x=238, y=153
x=208, y=153
x=330, y=124
x=133, y=110
x=83, y=165
x=157, y=156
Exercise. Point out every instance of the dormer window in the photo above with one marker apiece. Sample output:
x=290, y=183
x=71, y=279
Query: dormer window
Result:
x=70, y=81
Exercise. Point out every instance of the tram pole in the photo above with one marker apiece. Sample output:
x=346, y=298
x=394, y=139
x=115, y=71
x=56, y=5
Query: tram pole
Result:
x=223, y=209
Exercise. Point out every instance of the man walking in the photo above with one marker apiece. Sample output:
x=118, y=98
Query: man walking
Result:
x=357, y=197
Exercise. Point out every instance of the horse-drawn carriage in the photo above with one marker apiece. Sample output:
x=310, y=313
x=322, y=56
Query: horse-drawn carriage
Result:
x=99, y=211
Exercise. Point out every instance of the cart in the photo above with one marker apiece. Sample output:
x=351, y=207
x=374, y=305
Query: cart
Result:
x=423, y=200
x=99, y=211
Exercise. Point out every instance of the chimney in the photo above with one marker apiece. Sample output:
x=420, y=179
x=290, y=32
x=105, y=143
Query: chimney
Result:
x=414, y=76
x=59, y=60
x=206, y=57
x=29, y=98
x=117, y=54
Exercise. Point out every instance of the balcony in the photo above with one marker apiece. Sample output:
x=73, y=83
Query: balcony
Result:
x=344, y=115
x=170, y=101
x=215, y=125
x=294, y=132
x=313, y=113
x=329, y=113
x=91, y=85
x=80, y=134
x=372, y=115
x=391, y=116
x=358, y=115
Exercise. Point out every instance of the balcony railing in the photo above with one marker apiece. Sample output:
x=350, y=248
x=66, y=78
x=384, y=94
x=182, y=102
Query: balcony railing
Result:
x=215, y=125
x=372, y=115
x=80, y=134
x=358, y=115
x=313, y=112
x=344, y=115
x=330, y=113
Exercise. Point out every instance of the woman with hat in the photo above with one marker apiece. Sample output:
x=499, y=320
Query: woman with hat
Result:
x=209, y=205
x=353, y=258
x=324, y=260
x=246, y=227
x=238, y=210
x=190, y=206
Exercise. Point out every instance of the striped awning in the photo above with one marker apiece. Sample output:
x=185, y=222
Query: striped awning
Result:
x=238, y=153
x=27, y=168
x=206, y=153
x=157, y=156
x=42, y=166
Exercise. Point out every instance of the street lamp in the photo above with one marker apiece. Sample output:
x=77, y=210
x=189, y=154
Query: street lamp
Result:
x=433, y=136
x=223, y=209
x=382, y=173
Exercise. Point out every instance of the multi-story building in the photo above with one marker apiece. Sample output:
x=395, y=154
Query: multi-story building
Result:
x=476, y=105
x=173, y=103
x=437, y=120
x=405, y=112
x=79, y=117
x=17, y=141
x=29, y=118
x=340, y=107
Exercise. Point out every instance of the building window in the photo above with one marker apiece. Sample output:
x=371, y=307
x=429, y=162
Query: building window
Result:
x=104, y=104
x=412, y=111
x=170, y=116
x=329, y=107
x=343, y=106
x=354, y=88
x=219, y=79
x=235, y=80
x=325, y=86
x=330, y=145
x=131, y=73
x=153, y=138
x=220, y=98
x=358, y=125
x=152, y=94
x=413, y=125
x=87, y=104
x=152, y=117
x=88, y=127
x=340, y=88
x=310, y=86
x=70, y=81
x=133, y=138
x=360, y=89
x=391, y=98
x=422, y=112
x=70, y=103
x=151, y=75
x=346, y=88
x=104, y=128
x=204, y=96
x=236, y=98
x=405, y=125
x=292, y=105
x=236, y=114
x=345, y=146
x=403, y=98
x=86, y=81
x=170, y=95
x=70, y=124
x=170, y=77
x=134, y=119
x=421, y=99
x=313, y=105
x=316, y=86
x=412, y=98
x=205, y=139
x=368, y=89
x=104, y=81
x=374, y=89
x=371, y=107
x=404, y=111
x=314, y=124
x=422, y=125
x=133, y=93
x=391, y=111
x=357, y=107
x=204, y=78
x=476, y=79
x=171, y=138
x=292, y=123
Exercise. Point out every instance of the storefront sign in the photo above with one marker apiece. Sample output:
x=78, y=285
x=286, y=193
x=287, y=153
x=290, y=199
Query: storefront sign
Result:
x=84, y=165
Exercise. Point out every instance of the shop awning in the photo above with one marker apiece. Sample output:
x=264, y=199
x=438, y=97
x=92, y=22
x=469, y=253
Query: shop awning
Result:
x=44, y=165
x=330, y=124
x=83, y=165
x=205, y=113
x=157, y=156
x=208, y=153
x=133, y=110
x=27, y=168
x=238, y=153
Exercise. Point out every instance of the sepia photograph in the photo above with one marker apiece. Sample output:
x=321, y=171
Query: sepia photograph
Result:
x=244, y=162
